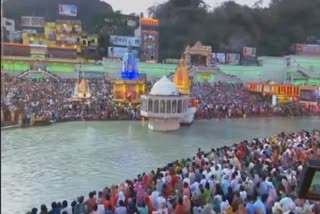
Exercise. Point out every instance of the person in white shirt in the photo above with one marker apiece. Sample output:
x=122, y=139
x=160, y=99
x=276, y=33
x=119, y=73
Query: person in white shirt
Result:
x=121, y=209
x=163, y=209
x=154, y=196
x=66, y=208
x=195, y=187
x=243, y=193
x=101, y=209
x=203, y=180
x=217, y=172
x=287, y=204
x=197, y=210
x=224, y=204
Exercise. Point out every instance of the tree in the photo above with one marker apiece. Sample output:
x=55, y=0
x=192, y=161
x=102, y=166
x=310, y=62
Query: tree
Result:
x=230, y=26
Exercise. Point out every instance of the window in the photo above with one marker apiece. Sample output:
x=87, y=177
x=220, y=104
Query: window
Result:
x=150, y=105
x=169, y=106
x=156, y=106
x=162, y=106
x=179, y=106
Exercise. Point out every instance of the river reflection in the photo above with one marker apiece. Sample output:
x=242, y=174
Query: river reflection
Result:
x=62, y=161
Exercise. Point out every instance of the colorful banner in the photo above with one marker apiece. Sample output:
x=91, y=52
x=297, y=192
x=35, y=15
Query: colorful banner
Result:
x=219, y=58
x=119, y=52
x=233, y=58
x=149, y=22
x=308, y=95
x=32, y=21
x=67, y=10
x=249, y=52
x=124, y=41
x=307, y=49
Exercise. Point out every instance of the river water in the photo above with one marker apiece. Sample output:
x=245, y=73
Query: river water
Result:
x=66, y=160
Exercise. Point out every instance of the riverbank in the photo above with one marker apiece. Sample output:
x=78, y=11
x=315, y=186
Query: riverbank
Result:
x=222, y=152
x=265, y=115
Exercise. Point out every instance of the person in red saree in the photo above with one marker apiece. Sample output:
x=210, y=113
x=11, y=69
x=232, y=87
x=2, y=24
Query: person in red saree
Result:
x=180, y=208
x=148, y=202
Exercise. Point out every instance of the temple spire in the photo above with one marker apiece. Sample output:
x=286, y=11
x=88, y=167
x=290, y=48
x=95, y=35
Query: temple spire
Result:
x=129, y=66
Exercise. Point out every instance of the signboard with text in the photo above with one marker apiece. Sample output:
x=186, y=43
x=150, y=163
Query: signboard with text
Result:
x=307, y=49
x=249, y=51
x=219, y=58
x=67, y=10
x=119, y=52
x=124, y=41
x=233, y=58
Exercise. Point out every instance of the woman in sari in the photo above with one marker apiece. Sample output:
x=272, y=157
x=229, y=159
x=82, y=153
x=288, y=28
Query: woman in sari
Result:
x=186, y=205
x=140, y=194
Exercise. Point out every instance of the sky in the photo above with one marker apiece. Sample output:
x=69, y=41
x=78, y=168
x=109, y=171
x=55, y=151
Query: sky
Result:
x=137, y=6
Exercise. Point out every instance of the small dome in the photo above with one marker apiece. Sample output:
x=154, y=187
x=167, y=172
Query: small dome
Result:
x=164, y=87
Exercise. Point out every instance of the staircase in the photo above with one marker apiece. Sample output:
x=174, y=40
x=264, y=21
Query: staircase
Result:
x=49, y=74
x=306, y=72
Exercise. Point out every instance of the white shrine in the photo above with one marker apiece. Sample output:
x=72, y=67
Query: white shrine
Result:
x=165, y=106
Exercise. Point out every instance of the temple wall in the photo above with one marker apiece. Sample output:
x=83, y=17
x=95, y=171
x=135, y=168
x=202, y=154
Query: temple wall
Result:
x=170, y=124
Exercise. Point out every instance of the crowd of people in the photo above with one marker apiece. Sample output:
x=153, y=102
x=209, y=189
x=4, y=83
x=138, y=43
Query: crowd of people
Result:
x=51, y=98
x=234, y=100
x=254, y=177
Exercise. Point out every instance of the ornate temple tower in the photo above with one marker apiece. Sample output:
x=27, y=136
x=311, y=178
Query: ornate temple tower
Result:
x=181, y=78
x=130, y=86
x=129, y=66
x=82, y=89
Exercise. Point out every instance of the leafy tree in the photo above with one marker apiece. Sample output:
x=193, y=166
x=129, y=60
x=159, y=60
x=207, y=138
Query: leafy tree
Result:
x=230, y=26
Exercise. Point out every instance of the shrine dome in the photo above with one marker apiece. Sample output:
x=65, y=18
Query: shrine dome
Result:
x=164, y=87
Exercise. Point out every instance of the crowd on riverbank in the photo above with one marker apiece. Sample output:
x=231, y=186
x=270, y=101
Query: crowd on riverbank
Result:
x=234, y=100
x=254, y=177
x=50, y=98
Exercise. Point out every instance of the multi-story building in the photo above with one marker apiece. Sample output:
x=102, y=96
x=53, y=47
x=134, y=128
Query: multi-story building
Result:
x=149, y=34
x=64, y=34
x=68, y=34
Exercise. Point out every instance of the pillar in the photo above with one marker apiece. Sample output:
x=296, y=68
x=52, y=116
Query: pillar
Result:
x=208, y=60
x=188, y=60
x=2, y=116
x=12, y=115
x=33, y=120
x=20, y=120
